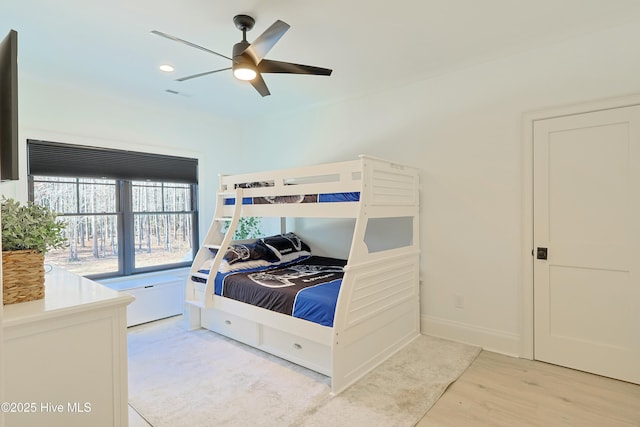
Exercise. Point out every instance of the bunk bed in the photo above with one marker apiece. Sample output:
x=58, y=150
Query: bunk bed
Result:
x=375, y=306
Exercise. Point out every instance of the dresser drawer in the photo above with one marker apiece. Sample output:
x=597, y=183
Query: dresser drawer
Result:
x=231, y=326
x=297, y=349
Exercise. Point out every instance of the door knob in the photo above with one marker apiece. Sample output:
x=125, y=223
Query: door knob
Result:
x=541, y=253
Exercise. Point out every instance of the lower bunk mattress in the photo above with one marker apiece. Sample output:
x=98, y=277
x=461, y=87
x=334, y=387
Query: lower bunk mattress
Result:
x=307, y=288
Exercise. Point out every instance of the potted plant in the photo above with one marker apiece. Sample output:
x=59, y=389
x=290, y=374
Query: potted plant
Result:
x=28, y=232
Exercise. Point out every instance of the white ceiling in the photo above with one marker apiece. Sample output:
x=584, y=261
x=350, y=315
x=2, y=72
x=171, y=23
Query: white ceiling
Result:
x=371, y=45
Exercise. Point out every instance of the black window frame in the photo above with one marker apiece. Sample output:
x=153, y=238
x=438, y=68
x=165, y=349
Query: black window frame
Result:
x=124, y=201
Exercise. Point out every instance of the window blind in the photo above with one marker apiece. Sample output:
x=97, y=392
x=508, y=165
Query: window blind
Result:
x=58, y=159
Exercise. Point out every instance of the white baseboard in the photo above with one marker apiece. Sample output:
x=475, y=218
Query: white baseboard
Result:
x=489, y=339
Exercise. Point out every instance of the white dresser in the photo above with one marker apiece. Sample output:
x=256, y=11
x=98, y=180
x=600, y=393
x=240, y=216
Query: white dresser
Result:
x=66, y=356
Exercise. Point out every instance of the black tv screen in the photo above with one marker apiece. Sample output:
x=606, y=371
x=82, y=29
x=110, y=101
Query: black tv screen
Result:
x=9, y=107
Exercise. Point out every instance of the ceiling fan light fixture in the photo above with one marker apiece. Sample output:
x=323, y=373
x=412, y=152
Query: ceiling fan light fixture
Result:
x=244, y=72
x=243, y=66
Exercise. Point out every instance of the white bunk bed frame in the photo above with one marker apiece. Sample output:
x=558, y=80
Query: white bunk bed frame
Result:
x=377, y=311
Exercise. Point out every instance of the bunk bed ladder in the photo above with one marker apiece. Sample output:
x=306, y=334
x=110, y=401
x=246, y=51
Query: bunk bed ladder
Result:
x=216, y=241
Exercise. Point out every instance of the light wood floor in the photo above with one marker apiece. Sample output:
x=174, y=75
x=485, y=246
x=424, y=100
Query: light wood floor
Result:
x=499, y=390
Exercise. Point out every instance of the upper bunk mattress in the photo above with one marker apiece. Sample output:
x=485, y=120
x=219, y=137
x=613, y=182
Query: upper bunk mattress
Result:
x=298, y=198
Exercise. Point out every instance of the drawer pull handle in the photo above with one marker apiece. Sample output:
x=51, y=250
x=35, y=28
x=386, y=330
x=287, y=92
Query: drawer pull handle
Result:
x=297, y=346
x=227, y=322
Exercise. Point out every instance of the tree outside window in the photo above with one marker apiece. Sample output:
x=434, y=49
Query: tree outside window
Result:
x=119, y=227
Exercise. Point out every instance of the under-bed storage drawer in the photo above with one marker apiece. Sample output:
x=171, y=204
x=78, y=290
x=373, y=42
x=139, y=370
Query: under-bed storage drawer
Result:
x=231, y=326
x=299, y=350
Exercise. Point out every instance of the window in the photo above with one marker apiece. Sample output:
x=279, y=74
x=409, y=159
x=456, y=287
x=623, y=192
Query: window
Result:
x=117, y=226
x=162, y=223
x=89, y=208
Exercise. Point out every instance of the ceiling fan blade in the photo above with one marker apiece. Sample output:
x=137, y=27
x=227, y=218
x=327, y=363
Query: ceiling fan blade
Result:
x=265, y=41
x=176, y=39
x=268, y=66
x=260, y=85
x=206, y=73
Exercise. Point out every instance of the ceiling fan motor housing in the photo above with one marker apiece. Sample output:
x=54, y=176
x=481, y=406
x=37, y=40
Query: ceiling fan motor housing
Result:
x=239, y=48
x=242, y=59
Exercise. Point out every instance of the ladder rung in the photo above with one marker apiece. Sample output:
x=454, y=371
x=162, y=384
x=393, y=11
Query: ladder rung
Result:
x=223, y=218
x=212, y=246
x=200, y=275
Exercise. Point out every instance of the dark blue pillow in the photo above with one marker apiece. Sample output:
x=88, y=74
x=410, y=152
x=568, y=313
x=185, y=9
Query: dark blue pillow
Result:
x=284, y=244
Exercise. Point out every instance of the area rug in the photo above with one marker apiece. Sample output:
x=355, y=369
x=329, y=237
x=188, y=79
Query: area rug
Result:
x=202, y=379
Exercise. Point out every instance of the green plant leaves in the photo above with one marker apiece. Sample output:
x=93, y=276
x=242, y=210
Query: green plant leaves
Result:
x=30, y=226
x=249, y=227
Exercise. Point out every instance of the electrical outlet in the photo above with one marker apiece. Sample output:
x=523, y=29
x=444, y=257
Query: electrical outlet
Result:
x=459, y=301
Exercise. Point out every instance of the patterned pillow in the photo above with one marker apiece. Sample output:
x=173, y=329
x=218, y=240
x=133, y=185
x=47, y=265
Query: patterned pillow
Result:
x=249, y=252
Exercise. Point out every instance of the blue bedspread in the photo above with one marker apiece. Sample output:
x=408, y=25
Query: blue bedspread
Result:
x=307, y=288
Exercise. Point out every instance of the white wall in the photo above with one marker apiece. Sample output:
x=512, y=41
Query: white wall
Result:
x=464, y=131
x=53, y=112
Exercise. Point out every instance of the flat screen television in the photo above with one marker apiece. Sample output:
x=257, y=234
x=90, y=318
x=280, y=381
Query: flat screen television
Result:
x=9, y=107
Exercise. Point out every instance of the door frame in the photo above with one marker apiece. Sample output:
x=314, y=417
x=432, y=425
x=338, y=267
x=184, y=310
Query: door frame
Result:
x=528, y=120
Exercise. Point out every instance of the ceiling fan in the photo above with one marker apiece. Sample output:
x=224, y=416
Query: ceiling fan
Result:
x=247, y=61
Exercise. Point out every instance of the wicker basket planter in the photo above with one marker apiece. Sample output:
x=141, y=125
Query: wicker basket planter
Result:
x=22, y=276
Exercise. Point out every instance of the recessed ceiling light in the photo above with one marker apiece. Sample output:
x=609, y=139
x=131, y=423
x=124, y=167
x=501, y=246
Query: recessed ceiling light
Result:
x=167, y=68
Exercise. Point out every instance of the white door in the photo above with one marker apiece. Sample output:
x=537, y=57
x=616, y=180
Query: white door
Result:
x=587, y=216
